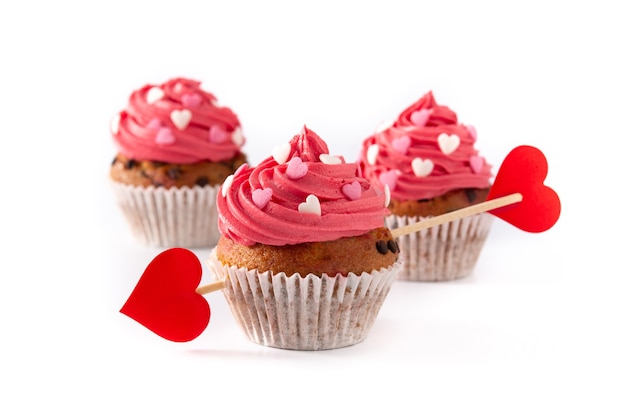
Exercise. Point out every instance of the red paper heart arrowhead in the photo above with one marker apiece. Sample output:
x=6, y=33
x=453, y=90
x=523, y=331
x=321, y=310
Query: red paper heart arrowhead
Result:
x=165, y=299
x=523, y=171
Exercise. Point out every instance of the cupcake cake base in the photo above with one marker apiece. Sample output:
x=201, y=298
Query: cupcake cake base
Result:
x=304, y=313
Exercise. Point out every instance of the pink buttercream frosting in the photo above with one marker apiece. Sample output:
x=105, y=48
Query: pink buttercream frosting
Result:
x=424, y=153
x=176, y=122
x=276, y=203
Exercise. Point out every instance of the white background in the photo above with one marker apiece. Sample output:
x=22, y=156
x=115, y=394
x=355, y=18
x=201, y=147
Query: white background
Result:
x=538, y=329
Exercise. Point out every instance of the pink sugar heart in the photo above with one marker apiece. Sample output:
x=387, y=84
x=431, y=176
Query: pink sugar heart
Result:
x=191, y=100
x=471, y=130
x=476, y=163
x=352, y=190
x=154, y=124
x=389, y=178
x=296, y=168
x=420, y=117
x=260, y=197
x=217, y=135
x=164, y=136
x=401, y=144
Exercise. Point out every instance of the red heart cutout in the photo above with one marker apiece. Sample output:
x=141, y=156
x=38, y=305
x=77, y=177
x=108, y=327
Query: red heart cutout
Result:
x=523, y=171
x=165, y=299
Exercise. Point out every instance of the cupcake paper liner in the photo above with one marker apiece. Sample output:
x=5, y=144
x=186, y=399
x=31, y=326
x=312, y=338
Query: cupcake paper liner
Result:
x=303, y=313
x=441, y=253
x=181, y=217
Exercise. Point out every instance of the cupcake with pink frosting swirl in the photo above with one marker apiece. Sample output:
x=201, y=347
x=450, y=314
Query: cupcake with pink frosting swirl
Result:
x=175, y=147
x=429, y=162
x=304, y=252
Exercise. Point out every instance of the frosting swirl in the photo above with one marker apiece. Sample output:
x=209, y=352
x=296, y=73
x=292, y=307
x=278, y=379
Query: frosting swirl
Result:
x=176, y=122
x=424, y=153
x=300, y=194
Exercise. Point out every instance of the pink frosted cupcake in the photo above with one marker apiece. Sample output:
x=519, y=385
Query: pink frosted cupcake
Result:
x=176, y=146
x=428, y=161
x=304, y=254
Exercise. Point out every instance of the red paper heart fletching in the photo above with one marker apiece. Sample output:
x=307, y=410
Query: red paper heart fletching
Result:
x=165, y=299
x=523, y=171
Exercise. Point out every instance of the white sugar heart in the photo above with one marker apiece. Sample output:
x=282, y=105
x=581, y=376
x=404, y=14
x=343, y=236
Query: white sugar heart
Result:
x=281, y=153
x=312, y=205
x=372, y=154
x=330, y=159
x=448, y=143
x=115, y=124
x=352, y=190
x=384, y=126
x=237, y=137
x=181, y=118
x=422, y=167
x=154, y=94
x=227, y=184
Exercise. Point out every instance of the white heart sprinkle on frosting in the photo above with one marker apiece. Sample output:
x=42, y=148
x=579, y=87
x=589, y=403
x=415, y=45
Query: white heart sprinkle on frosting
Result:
x=226, y=185
x=181, y=118
x=280, y=153
x=448, y=143
x=330, y=159
x=384, y=126
x=312, y=205
x=154, y=94
x=422, y=167
x=115, y=124
x=372, y=154
x=387, y=196
x=237, y=137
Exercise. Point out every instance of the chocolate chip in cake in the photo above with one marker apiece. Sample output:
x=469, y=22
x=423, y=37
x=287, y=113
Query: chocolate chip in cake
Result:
x=202, y=181
x=173, y=173
x=114, y=160
x=393, y=246
x=130, y=164
x=471, y=194
x=381, y=247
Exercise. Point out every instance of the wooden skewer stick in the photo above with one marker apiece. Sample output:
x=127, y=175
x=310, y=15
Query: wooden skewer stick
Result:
x=214, y=286
x=457, y=214
x=411, y=228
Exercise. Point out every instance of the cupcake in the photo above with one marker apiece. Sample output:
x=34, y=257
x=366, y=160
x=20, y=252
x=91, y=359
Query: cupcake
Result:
x=175, y=147
x=428, y=161
x=304, y=253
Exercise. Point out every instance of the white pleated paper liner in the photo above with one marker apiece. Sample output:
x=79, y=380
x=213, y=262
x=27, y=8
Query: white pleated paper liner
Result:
x=441, y=253
x=303, y=313
x=175, y=217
